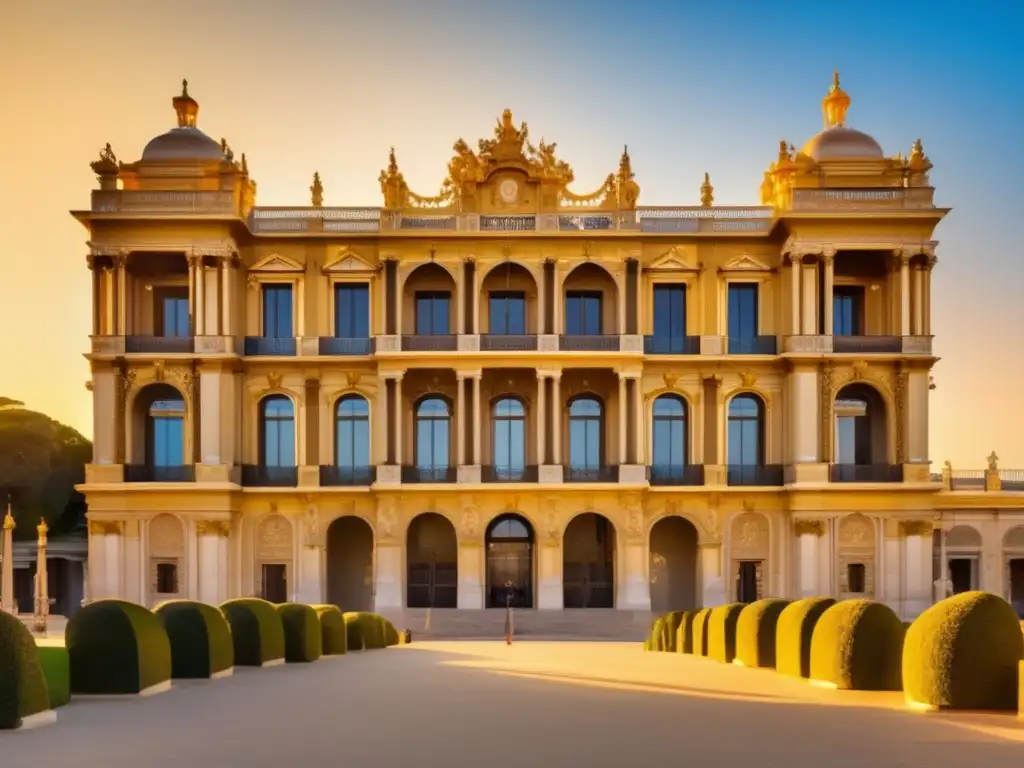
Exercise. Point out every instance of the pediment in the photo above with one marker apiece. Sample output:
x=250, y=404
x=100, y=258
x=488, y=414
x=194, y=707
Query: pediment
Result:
x=746, y=263
x=277, y=262
x=676, y=259
x=347, y=260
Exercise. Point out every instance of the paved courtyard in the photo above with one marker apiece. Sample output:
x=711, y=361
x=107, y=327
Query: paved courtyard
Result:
x=531, y=704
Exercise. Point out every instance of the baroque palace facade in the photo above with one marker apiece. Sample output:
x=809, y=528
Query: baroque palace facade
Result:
x=510, y=391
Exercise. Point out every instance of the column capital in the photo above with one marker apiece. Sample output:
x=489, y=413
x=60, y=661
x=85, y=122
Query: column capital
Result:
x=809, y=527
x=395, y=376
x=549, y=374
x=713, y=378
x=828, y=255
x=916, y=528
x=463, y=375
x=902, y=256
x=220, y=528
x=630, y=374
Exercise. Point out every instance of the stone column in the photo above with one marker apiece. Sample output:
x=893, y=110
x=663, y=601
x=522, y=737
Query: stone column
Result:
x=7, y=574
x=927, y=311
x=201, y=296
x=556, y=418
x=97, y=298
x=478, y=425
x=623, y=420
x=541, y=301
x=212, y=538
x=192, y=289
x=398, y=414
x=795, y=268
x=42, y=594
x=460, y=417
x=828, y=302
x=917, y=416
x=904, y=261
x=713, y=591
x=639, y=424
x=460, y=303
x=225, y=296
x=809, y=534
x=122, y=294
x=475, y=326
x=803, y=415
x=541, y=419
x=557, y=316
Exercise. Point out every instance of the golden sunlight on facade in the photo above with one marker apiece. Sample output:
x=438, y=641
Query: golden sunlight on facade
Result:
x=511, y=391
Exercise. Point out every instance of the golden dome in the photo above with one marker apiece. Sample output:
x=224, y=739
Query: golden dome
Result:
x=186, y=142
x=837, y=141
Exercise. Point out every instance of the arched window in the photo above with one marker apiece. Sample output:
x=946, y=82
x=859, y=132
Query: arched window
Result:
x=586, y=416
x=277, y=432
x=433, y=428
x=746, y=431
x=509, y=439
x=352, y=437
x=670, y=438
x=166, y=427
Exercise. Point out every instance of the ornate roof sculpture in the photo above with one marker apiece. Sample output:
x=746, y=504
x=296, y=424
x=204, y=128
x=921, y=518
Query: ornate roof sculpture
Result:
x=488, y=179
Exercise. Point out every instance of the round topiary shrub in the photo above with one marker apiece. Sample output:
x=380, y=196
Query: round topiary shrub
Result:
x=700, y=632
x=333, y=636
x=722, y=631
x=651, y=642
x=56, y=666
x=858, y=645
x=755, y=632
x=302, y=632
x=669, y=627
x=793, y=634
x=257, y=632
x=23, y=690
x=964, y=653
x=389, y=632
x=201, y=643
x=684, y=633
x=117, y=647
x=365, y=631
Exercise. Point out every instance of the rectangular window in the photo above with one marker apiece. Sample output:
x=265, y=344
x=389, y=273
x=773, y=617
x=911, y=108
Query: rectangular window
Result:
x=743, y=320
x=277, y=311
x=583, y=313
x=963, y=574
x=275, y=582
x=855, y=578
x=171, y=317
x=166, y=578
x=848, y=310
x=432, y=313
x=670, y=318
x=508, y=313
x=352, y=311
x=168, y=446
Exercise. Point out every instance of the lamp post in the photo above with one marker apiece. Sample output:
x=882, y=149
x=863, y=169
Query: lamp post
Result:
x=7, y=566
x=42, y=596
x=509, y=590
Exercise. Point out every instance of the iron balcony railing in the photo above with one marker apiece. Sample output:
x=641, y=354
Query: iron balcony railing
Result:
x=753, y=345
x=967, y=479
x=586, y=343
x=159, y=344
x=1012, y=479
x=672, y=345
x=755, y=474
x=676, y=474
x=868, y=344
x=591, y=474
x=496, y=474
x=426, y=343
x=150, y=473
x=865, y=473
x=496, y=342
x=266, y=346
x=260, y=476
x=429, y=474
x=345, y=347
x=338, y=476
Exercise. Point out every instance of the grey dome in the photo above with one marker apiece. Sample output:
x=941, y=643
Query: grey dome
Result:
x=183, y=144
x=841, y=142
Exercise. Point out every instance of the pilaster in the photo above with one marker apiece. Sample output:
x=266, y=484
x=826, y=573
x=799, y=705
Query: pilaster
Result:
x=212, y=540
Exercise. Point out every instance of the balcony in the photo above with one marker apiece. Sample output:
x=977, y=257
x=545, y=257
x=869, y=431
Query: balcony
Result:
x=898, y=198
x=345, y=347
x=883, y=345
x=257, y=476
x=416, y=475
x=507, y=343
x=159, y=344
x=672, y=345
x=602, y=474
x=332, y=476
x=491, y=474
x=676, y=474
x=865, y=473
x=753, y=345
x=588, y=343
x=265, y=346
x=148, y=473
x=763, y=474
x=144, y=201
x=439, y=343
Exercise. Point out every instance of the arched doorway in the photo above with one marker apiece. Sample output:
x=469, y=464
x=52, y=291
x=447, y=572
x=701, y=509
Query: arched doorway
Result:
x=350, y=564
x=432, y=553
x=509, y=543
x=673, y=570
x=588, y=562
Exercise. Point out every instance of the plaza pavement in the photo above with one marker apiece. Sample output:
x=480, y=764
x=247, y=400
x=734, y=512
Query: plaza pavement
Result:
x=488, y=705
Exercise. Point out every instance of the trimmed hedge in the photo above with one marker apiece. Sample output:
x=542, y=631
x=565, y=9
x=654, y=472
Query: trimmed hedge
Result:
x=23, y=689
x=302, y=633
x=333, y=636
x=722, y=631
x=116, y=647
x=700, y=632
x=663, y=632
x=684, y=633
x=256, y=630
x=365, y=630
x=390, y=633
x=858, y=645
x=964, y=652
x=201, y=642
x=793, y=634
x=56, y=666
x=755, y=632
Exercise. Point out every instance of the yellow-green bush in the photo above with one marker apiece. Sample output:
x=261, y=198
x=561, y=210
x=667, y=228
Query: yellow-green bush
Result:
x=858, y=645
x=56, y=666
x=201, y=643
x=663, y=632
x=23, y=690
x=964, y=653
x=684, y=633
x=722, y=632
x=793, y=633
x=333, y=636
x=390, y=633
x=256, y=631
x=654, y=632
x=302, y=633
x=700, y=632
x=365, y=631
x=755, y=632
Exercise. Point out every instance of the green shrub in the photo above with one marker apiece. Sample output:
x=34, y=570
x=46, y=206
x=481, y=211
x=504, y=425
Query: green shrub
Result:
x=654, y=635
x=365, y=631
x=302, y=633
x=256, y=631
x=201, y=642
x=684, y=633
x=755, y=632
x=669, y=627
x=333, y=636
x=793, y=634
x=117, y=647
x=389, y=631
x=857, y=645
x=722, y=631
x=23, y=689
x=700, y=632
x=56, y=666
x=964, y=653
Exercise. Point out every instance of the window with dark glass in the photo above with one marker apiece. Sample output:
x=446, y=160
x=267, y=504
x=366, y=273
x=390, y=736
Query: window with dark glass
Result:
x=166, y=433
x=583, y=313
x=743, y=323
x=352, y=311
x=855, y=574
x=508, y=313
x=853, y=432
x=509, y=438
x=277, y=311
x=669, y=435
x=585, y=443
x=670, y=317
x=746, y=431
x=848, y=310
x=432, y=311
x=171, y=311
x=433, y=420
x=352, y=434
x=277, y=436
x=167, y=578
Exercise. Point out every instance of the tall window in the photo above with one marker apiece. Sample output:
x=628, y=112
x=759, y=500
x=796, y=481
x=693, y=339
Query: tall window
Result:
x=277, y=432
x=171, y=311
x=508, y=313
x=670, y=318
x=432, y=310
x=433, y=423
x=585, y=435
x=277, y=311
x=167, y=431
x=848, y=310
x=670, y=438
x=509, y=439
x=743, y=322
x=583, y=313
x=746, y=431
x=352, y=435
x=352, y=311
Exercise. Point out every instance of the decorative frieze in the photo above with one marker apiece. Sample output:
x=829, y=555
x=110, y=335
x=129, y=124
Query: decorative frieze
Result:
x=213, y=528
x=808, y=527
x=916, y=528
x=106, y=527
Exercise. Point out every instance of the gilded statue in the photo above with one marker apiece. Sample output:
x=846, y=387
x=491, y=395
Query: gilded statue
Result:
x=107, y=154
x=316, y=191
x=993, y=462
x=707, y=192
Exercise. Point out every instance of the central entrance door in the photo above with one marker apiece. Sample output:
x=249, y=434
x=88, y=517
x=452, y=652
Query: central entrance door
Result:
x=588, y=566
x=433, y=571
x=509, y=562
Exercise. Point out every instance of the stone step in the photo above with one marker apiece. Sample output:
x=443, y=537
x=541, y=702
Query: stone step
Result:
x=448, y=623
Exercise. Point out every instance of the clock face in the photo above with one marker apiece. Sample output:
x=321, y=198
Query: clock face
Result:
x=508, y=190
